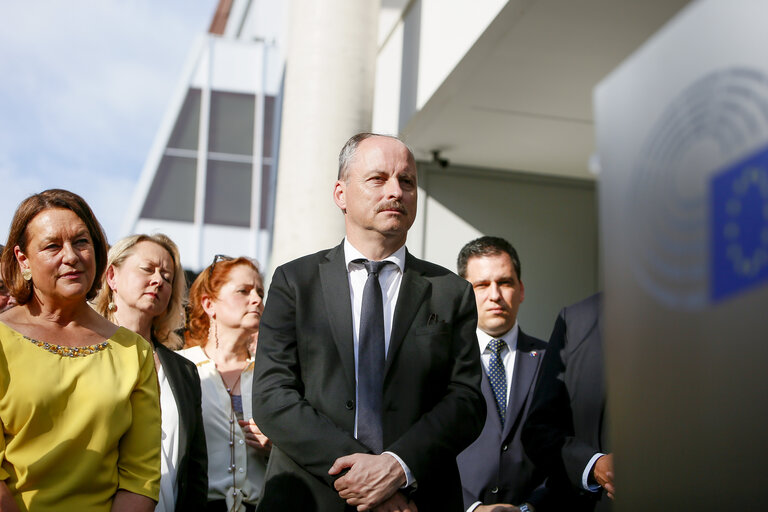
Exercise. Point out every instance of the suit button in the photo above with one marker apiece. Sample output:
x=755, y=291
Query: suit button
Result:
x=505, y=448
x=349, y=405
x=495, y=490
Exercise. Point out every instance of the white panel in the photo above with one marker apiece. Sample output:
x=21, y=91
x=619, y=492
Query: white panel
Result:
x=448, y=29
x=183, y=233
x=446, y=234
x=227, y=240
x=235, y=66
x=682, y=131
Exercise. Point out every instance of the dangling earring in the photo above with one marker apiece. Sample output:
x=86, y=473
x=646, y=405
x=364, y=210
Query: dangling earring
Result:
x=111, y=307
x=212, y=328
x=26, y=274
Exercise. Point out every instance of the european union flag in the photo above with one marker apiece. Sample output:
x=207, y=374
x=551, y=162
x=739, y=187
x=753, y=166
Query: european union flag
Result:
x=739, y=226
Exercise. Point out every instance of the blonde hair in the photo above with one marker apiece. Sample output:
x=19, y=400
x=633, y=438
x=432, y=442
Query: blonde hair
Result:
x=164, y=326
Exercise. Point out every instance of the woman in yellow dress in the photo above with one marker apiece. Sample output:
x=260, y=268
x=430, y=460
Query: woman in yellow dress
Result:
x=79, y=408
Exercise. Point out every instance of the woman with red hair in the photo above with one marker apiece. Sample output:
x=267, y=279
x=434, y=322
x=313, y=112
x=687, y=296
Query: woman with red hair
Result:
x=226, y=301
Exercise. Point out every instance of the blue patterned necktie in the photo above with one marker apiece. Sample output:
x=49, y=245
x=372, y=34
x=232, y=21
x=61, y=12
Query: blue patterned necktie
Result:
x=370, y=360
x=498, y=377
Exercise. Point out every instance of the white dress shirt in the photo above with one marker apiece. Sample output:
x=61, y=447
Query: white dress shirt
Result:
x=508, y=353
x=390, y=278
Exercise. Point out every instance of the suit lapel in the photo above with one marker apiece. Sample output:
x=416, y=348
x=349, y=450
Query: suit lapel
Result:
x=413, y=288
x=335, y=291
x=522, y=381
x=492, y=415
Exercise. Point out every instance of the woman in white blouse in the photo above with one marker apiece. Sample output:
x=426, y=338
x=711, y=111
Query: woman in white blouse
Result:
x=225, y=306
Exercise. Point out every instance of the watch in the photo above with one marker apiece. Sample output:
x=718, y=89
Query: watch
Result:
x=524, y=508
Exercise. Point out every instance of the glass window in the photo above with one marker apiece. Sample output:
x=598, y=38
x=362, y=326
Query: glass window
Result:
x=172, y=194
x=186, y=132
x=228, y=193
x=231, y=124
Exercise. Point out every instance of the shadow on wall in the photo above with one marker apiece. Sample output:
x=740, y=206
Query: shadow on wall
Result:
x=552, y=222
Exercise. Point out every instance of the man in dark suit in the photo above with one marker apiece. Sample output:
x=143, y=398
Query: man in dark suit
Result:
x=566, y=431
x=495, y=473
x=366, y=374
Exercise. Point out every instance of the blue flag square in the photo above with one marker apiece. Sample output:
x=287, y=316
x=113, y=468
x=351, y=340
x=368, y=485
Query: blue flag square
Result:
x=739, y=226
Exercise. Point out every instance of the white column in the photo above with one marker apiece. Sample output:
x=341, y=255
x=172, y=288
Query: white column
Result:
x=328, y=97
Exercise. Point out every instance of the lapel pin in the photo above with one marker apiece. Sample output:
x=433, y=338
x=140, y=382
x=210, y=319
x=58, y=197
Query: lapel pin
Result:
x=534, y=353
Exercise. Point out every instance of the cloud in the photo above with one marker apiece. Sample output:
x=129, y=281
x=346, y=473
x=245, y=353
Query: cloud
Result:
x=85, y=85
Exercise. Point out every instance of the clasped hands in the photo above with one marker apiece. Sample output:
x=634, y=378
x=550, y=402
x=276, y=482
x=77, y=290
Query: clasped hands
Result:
x=372, y=483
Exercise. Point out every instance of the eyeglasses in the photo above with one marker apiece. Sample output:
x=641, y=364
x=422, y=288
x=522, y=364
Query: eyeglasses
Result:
x=216, y=259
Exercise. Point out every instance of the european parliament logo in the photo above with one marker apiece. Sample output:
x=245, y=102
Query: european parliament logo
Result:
x=697, y=206
x=739, y=226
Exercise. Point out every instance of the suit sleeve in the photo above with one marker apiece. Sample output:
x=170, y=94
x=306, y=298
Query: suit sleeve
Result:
x=548, y=435
x=458, y=418
x=280, y=409
x=197, y=484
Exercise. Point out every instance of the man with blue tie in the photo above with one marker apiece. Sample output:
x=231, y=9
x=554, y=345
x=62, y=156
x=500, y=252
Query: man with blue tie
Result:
x=496, y=475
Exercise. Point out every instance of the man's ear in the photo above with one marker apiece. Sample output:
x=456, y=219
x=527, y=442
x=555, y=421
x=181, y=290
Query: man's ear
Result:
x=340, y=195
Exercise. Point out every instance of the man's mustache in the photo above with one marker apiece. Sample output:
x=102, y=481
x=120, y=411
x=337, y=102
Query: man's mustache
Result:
x=392, y=205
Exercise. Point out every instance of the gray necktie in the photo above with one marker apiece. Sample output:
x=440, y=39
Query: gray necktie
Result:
x=370, y=360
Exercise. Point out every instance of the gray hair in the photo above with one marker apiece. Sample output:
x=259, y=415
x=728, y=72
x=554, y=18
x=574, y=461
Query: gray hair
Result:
x=349, y=151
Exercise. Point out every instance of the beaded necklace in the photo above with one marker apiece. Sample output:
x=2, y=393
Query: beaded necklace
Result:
x=232, y=426
x=66, y=351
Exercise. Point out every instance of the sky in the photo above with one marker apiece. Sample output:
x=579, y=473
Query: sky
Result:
x=84, y=87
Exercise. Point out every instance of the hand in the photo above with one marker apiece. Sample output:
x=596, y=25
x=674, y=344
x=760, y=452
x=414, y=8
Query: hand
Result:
x=499, y=507
x=7, y=502
x=255, y=438
x=397, y=503
x=126, y=501
x=603, y=473
x=371, y=479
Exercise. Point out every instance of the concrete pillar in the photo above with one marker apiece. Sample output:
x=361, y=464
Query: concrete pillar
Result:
x=328, y=97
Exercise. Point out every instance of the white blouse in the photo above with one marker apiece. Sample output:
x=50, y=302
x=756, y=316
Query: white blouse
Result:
x=170, y=445
x=250, y=467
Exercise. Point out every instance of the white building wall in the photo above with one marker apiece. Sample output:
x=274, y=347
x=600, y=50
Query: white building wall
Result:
x=419, y=50
x=552, y=222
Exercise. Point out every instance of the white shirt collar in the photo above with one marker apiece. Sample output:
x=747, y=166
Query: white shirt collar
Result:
x=509, y=337
x=351, y=254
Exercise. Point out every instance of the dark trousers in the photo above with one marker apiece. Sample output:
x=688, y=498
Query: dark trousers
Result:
x=221, y=506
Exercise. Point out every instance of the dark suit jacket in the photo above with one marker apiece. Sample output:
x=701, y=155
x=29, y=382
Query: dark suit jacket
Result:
x=566, y=424
x=494, y=469
x=304, y=382
x=192, y=476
